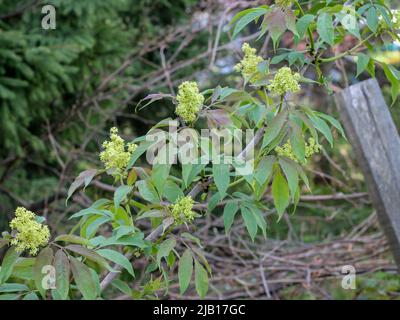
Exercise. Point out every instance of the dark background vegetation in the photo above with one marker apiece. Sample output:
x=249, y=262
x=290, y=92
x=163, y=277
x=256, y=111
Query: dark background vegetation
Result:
x=61, y=90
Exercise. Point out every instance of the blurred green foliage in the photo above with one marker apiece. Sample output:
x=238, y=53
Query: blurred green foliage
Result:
x=44, y=73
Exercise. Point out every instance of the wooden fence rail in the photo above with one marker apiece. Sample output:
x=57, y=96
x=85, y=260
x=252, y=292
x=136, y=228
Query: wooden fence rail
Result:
x=375, y=140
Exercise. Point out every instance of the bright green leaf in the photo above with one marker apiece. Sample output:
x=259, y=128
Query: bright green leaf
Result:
x=185, y=270
x=280, y=193
x=117, y=258
x=201, y=279
x=230, y=210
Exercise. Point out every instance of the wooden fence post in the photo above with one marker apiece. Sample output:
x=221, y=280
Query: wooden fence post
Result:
x=375, y=140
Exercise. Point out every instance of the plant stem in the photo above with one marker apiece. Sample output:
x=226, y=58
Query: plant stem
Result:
x=309, y=32
x=343, y=54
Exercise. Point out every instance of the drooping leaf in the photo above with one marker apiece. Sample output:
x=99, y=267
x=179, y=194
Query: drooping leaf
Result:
x=350, y=23
x=117, y=258
x=264, y=169
x=84, y=178
x=31, y=296
x=257, y=214
x=291, y=174
x=372, y=19
x=185, y=270
x=393, y=76
x=362, y=63
x=142, y=148
x=297, y=142
x=221, y=177
x=251, y=15
x=13, y=287
x=159, y=176
x=83, y=279
x=147, y=191
x=249, y=221
x=333, y=122
x=122, y=286
x=71, y=238
x=201, y=279
x=230, y=210
x=89, y=254
x=120, y=194
x=43, y=260
x=280, y=193
x=274, y=128
x=61, y=264
x=172, y=192
x=275, y=23
x=303, y=23
x=322, y=127
x=8, y=263
x=165, y=248
x=325, y=28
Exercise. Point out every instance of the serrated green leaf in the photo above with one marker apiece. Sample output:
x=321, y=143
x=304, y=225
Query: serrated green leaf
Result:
x=45, y=258
x=61, y=264
x=297, y=142
x=303, y=23
x=230, y=210
x=172, y=191
x=264, y=169
x=13, y=287
x=89, y=254
x=159, y=176
x=280, y=193
x=333, y=122
x=122, y=286
x=31, y=296
x=117, y=258
x=291, y=174
x=147, y=191
x=201, y=279
x=221, y=178
x=251, y=15
x=165, y=248
x=120, y=194
x=325, y=28
x=273, y=128
x=71, y=238
x=372, y=19
x=8, y=263
x=83, y=279
x=350, y=23
x=185, y=270
x=249, y=221
x=322, y=127
x=393, y=76
x=84, y=178
x=362, y=63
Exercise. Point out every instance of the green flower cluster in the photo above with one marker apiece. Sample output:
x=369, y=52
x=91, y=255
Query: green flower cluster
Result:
x=189, y=100
x=249, y=63
x=30, y=234
x=116, y=155
x=285, y=81
x=312, y=147
x=182, y=210
x=284, y=3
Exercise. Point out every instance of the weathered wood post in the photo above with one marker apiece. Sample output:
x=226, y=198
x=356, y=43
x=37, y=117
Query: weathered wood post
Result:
x=375, y=140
